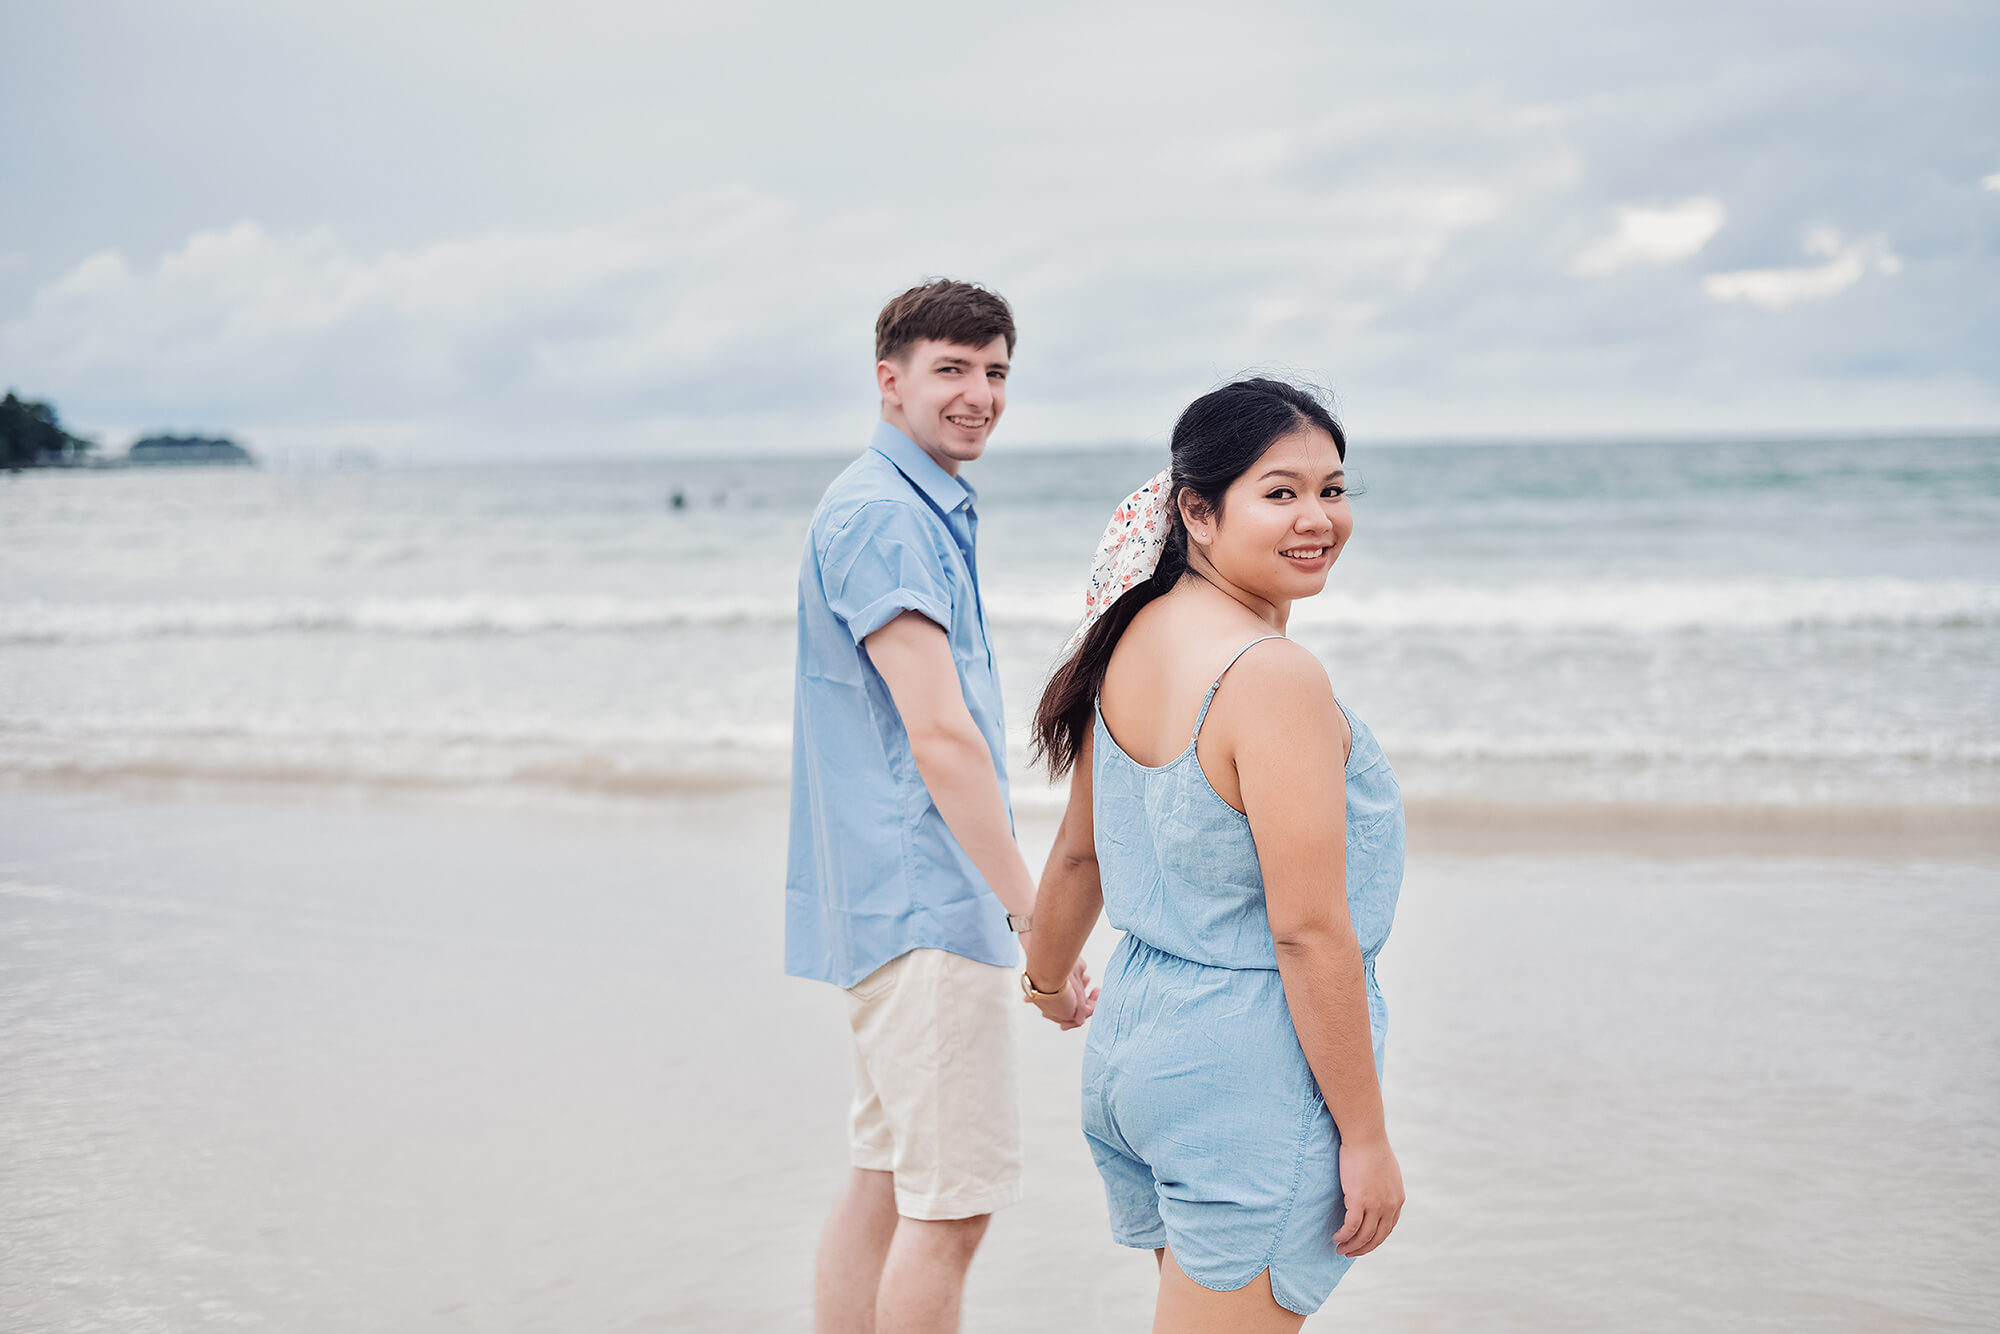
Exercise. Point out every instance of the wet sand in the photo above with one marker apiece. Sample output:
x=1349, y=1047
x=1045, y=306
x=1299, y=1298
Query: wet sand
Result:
x=288, y=1061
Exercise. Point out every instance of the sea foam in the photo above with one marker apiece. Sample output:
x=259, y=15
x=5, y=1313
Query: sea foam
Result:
x=1615, y=606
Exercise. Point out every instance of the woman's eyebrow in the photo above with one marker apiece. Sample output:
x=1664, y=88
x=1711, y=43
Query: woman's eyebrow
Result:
x=1287, y=472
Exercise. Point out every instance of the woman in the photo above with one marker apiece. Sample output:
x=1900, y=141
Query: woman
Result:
x=1231, y=1091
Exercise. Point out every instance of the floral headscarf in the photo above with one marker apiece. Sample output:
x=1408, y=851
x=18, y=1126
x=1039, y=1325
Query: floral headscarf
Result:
x=1128, y=553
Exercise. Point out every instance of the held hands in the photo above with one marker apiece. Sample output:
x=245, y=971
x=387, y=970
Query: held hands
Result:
x=1371, y=1184
x=1072, y=1004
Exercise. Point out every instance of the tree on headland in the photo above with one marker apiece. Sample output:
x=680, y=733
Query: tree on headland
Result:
x=31, y=436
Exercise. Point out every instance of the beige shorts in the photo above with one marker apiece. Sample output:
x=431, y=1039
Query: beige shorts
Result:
x=936, y=1090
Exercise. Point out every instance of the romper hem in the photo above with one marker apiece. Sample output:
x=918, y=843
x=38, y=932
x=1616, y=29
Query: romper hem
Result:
x=1296, y=1305
x=1138, y=1244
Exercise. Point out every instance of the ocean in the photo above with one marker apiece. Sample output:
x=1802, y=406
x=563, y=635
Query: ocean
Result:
x=1791, y=624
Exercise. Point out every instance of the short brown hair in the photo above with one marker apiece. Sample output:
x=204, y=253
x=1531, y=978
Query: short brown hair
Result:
x=946, y=310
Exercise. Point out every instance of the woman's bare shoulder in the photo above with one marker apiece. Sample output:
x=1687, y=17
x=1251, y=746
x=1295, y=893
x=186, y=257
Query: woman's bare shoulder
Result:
x=1284, y=695
x=1285, y=668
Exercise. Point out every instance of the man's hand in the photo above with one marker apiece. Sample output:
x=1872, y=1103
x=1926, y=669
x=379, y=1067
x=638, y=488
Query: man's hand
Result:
x=1074, y=1004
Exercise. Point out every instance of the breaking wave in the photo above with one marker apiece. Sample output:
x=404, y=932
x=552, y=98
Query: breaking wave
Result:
x=1629, y=607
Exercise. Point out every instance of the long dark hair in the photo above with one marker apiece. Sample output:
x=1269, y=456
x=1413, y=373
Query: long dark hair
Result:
x=1216, y=441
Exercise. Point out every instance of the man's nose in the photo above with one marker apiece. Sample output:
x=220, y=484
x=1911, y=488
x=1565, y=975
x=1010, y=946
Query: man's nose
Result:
x=978, y=394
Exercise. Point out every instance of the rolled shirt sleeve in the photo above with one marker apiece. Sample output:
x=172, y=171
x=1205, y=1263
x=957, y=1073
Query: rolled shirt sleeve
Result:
x=881, y=563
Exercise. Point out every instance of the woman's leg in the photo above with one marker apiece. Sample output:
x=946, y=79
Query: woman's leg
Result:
x=1186, y=1307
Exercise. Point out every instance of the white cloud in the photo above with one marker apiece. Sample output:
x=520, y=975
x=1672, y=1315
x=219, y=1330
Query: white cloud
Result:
x=1846, y=264
x=1653, y=236
x=297, y=326
x=1991, y=182
x=736, y=311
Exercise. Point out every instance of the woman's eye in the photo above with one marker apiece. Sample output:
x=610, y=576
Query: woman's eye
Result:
x=1282, y=493
x=1336, y=492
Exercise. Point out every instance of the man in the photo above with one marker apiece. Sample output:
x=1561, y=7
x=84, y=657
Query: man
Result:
x=904, y=876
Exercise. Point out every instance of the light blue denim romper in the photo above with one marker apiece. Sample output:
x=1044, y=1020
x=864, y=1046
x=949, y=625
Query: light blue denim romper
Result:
x=1204, y=1118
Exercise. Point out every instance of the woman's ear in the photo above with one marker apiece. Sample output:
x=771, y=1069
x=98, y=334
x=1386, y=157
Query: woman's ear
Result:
x=1195, y=516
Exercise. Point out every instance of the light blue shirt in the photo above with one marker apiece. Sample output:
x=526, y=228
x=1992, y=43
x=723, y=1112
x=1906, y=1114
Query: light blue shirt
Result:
x=874, y=872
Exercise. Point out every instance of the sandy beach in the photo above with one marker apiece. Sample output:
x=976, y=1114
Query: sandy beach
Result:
x=298, y=1061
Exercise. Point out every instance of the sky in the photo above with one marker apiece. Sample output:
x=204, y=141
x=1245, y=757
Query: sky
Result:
x=487, y=230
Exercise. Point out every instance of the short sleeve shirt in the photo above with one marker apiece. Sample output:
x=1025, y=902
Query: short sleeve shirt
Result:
x=873, y=871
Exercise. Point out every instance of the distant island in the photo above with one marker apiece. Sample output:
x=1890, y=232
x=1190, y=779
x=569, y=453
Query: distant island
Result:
x=32, y=436
x=182, y=450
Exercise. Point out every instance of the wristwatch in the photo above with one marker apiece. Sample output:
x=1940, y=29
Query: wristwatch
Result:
x=1018, y=922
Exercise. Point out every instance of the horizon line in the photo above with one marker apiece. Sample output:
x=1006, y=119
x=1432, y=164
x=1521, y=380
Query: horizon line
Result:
x=415, y=456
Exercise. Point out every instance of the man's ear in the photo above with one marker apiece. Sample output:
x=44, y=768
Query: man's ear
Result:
x=888, y=377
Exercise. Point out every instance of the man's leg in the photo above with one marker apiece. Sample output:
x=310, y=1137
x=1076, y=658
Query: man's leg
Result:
x=856, y=1239
x=851, y=1253
x=938, y=1066
x=925, y=1275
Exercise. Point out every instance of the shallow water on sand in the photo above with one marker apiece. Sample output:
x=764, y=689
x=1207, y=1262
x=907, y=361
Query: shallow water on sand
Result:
x=339, y=1067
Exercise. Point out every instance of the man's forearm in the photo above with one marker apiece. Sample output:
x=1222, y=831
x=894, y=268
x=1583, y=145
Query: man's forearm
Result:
x=917, y=666
x=957, y=768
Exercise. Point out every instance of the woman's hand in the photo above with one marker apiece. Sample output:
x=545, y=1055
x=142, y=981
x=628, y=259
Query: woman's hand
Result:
x=1371, y=1185
x=1073, y=1004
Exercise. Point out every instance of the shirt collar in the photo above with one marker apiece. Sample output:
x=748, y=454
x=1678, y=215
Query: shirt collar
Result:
x=946, y=492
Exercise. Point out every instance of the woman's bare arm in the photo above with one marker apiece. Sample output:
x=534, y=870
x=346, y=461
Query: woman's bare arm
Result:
x=1067, y=905
x=1289, y=741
